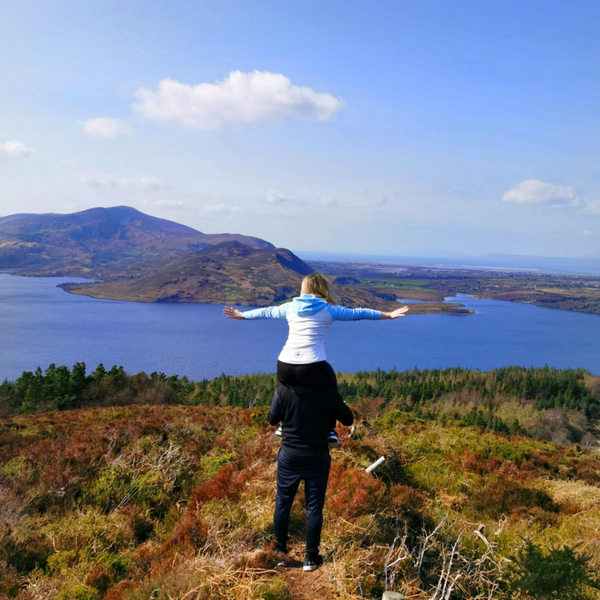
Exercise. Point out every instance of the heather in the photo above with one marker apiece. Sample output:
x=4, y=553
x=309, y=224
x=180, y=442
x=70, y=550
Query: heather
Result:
x=169, y=493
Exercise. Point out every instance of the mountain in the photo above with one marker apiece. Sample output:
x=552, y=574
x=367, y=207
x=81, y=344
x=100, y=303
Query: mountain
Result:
x=230, y=272
x=96, y=241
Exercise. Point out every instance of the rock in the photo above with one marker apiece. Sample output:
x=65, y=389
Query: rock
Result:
x=392, y=596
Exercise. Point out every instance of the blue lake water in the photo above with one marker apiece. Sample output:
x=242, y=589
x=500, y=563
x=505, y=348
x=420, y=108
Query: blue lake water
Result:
x=41, y=324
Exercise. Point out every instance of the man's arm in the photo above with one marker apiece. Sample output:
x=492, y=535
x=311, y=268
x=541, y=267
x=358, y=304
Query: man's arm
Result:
x=343, y=414
x=276, y=411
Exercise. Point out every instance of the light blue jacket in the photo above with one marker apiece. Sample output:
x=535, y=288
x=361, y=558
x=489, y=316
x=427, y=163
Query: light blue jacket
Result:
x=309, y=318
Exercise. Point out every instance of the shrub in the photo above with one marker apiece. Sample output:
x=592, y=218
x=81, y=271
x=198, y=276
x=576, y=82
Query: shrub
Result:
x=99, y=579
x=79, y=592
x=109, y=488
x=227, y=483
x=90, y=533
x=24, y=549
x=62, y=562
x=552, y=574
x=506, y=496
x=352, y=492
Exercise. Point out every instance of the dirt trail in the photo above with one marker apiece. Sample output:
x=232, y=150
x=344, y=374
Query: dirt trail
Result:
x=308, y=586
x=315, y=585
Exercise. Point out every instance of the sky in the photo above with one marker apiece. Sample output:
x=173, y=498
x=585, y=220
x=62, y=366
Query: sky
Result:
x=397, y=128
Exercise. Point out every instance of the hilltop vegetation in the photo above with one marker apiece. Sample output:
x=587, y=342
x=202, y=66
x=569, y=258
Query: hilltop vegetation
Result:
x=556, y=405
x=169, y=501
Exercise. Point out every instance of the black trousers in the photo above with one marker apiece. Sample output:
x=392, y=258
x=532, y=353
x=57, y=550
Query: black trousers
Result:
x=292, y=469
x=318, y=375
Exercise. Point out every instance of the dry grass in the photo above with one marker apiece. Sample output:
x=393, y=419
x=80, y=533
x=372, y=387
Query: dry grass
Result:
x=423, y=524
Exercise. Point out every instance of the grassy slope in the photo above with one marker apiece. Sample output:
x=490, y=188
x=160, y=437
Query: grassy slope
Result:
x=174, y=501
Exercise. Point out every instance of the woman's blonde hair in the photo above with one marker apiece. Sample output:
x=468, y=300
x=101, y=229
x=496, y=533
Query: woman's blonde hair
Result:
x=319, y=285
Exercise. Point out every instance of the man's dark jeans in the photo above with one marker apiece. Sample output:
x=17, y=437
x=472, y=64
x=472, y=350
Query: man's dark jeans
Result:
x=291, y=469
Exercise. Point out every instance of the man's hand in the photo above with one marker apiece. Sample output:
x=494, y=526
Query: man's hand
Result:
x=233, y=313
x=399, y=312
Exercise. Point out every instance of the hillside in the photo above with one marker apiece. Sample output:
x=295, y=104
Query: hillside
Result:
x=96, y=241
x=176, y=501
x=230, y=272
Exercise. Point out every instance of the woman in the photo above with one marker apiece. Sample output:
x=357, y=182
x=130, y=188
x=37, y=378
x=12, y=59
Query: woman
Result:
x=302, y=360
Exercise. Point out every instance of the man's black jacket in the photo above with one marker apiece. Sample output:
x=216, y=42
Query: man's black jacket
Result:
x=307, y=415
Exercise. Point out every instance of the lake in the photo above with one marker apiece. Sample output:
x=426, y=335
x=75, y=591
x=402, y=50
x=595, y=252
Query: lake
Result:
x=41, y=324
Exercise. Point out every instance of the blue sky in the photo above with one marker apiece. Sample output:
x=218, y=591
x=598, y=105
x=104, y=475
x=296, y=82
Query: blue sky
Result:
x=424, y=128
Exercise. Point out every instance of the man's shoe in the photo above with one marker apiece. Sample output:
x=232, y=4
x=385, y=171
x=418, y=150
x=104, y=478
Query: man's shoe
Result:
x=282, y=561
x=281, y=555
x=312, y=563
x=333, y=441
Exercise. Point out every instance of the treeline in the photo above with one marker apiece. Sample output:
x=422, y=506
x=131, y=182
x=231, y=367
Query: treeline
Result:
x=547, y=386
x=421, y=393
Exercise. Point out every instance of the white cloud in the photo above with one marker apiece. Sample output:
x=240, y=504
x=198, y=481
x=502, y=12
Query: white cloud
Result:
x=274, y=197
x=239, y=98
x=152, y=184
x=329, y=202
x=15, y=149
x=105, y=128
x=532, y=191
x=104, y=181
x=165, y=203
x=221, y=208
x=586, y=232
x=592, y=207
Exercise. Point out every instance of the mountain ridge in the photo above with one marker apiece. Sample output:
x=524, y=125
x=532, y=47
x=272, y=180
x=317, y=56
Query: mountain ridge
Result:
x=98, y=240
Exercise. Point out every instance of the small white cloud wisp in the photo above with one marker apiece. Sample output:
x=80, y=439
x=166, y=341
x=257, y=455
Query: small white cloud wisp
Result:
x=104, y=181
x=259, y=96
x=105, y=128
x=16, y=149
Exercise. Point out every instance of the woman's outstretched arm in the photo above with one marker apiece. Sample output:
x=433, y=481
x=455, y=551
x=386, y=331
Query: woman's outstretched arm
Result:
x=396, y=314
x=270, y=312
x=342, y=313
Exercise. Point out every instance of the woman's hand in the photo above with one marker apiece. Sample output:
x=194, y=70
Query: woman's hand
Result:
x=233, y=313
x=399, y=312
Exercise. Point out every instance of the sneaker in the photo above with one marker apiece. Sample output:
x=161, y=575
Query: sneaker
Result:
x=312, y=563
x=282, y=561
x=279, y=431
x=281, y=554
x=333, y=441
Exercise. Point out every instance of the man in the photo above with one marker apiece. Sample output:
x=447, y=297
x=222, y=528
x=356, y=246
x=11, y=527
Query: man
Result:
x=306, y=415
